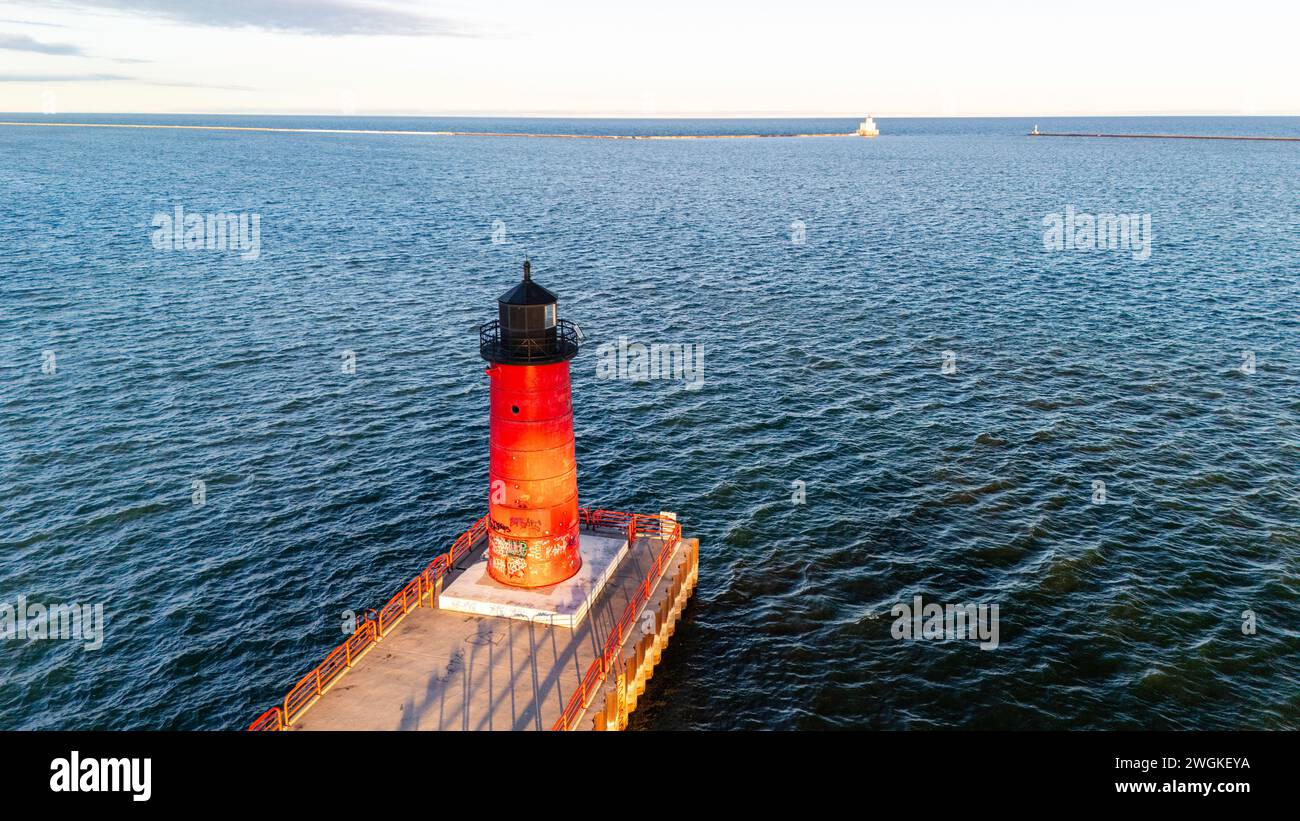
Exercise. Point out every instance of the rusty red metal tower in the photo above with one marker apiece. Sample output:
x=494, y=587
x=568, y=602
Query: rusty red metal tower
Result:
x=533, y=504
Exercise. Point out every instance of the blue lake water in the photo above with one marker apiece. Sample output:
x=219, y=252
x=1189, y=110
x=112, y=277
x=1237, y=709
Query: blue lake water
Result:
x=825, y=278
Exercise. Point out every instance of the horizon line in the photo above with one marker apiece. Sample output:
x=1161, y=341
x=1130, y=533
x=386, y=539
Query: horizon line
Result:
x=635, y=116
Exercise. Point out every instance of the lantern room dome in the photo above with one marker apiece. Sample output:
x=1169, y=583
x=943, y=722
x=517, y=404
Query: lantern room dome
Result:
x=527, y=292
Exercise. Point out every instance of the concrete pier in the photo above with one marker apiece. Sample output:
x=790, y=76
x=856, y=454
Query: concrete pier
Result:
x=439, y=669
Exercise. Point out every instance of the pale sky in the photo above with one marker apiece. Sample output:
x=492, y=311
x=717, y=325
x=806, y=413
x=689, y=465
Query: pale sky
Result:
x=651, y=58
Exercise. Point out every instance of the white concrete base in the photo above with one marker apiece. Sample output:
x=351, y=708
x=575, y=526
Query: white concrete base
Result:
x=561, y=605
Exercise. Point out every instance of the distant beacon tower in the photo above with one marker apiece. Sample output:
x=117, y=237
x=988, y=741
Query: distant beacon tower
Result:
x=867, y=128
x=533, y=503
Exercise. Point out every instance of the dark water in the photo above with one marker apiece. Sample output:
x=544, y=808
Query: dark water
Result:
x=326, y=490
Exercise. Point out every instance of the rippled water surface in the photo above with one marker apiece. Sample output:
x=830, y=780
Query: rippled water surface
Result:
x=326, y=490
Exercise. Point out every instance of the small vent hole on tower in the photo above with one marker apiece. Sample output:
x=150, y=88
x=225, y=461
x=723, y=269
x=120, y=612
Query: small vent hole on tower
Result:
x=514, y=409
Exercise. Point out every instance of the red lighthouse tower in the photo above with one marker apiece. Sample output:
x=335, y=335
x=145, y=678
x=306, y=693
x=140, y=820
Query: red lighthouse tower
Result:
x=533, y=507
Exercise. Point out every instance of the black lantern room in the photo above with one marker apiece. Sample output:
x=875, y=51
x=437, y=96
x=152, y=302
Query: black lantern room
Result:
x=528, y=330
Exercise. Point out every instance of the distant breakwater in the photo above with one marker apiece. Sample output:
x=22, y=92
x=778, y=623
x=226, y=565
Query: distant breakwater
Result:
x=437, y=133
x=1163, y=136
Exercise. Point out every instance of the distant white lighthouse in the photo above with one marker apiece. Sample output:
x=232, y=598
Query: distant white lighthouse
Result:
x=867, y=128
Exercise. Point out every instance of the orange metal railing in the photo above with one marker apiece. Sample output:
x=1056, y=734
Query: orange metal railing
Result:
x=311, y=686
x=635, y=525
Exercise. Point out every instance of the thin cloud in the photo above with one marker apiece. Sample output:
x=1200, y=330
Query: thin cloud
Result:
x=21, y=42
x=62, y=78
x=329, y=17
x=194, y=85
x=33, y=23
x=107, y=78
